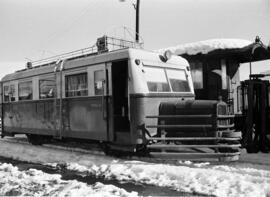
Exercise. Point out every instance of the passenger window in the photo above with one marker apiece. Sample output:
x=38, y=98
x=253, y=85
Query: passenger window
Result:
x=76, y=85
x=47, y=88
x=99, y=82
x=12, y=92
x=9, y=93
x=178, y=80
x=25, y=91
x=6, y=93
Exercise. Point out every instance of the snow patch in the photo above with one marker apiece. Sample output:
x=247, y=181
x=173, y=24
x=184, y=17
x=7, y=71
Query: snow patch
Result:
x=221, y=180
x=37, y=183
x=212, y=180
x=206, y=46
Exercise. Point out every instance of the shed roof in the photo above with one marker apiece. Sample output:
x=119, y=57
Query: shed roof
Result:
x=239, y=49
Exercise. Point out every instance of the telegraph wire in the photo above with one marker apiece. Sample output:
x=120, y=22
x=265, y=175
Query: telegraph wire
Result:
x=67, y=27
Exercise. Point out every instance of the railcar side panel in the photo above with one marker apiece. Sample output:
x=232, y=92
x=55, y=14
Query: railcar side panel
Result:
x=82, y=118
x=30, y=117
x=85, y=118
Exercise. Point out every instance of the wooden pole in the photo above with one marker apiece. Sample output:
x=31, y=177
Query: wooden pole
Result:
x=137, y=38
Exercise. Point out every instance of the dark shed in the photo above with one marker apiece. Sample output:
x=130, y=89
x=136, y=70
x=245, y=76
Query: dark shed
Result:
x=215, y=65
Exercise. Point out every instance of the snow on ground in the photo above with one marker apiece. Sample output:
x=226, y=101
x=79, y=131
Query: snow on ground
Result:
x=37, y=183
x=235, y=179
x=206, y=46
x=213, y=180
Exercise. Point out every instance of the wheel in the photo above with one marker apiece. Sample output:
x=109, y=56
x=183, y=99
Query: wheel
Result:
x=32, y=139
x=38, y=139
x=264, y=149
x=252, y=149
x=105, y=148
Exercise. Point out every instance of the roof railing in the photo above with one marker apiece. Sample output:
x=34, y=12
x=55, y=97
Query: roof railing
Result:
x=103, y=44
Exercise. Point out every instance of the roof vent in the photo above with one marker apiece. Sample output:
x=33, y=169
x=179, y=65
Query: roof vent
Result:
x=29, y=65
x=102, y=45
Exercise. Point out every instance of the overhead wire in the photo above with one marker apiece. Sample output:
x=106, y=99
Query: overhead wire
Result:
x=68, y=26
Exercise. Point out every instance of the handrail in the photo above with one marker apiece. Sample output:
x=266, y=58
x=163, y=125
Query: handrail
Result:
x=110, y=45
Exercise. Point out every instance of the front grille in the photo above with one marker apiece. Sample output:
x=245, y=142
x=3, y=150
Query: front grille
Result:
x=222, y=109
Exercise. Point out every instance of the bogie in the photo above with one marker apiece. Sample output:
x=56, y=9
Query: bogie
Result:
x=38, y=139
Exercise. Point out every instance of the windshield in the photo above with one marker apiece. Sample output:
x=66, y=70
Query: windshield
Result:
x=166, y=80
x=178, y=80
x=156, y=80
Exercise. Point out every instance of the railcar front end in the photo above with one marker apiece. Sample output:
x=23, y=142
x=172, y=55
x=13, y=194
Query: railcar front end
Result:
x=166, y=121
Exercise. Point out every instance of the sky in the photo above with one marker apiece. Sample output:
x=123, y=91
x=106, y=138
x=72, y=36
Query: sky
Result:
x=35, y=29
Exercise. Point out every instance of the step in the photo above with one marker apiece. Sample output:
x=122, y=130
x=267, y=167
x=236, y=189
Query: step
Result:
x=179, y=126
x=180, y=116
x=195, y=155
x=193, y=138
x=175, y=146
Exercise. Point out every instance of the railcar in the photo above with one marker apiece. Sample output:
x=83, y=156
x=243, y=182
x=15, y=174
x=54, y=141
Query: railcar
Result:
x=129, y=100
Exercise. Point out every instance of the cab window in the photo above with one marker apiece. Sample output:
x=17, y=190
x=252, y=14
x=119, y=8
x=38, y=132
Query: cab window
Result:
x=178, y=80
x=156, y=79
x=76, y=85
x=25, y=90
x=166, y=79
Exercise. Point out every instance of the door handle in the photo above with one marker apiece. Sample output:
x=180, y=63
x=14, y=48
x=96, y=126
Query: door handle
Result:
x=104, y=108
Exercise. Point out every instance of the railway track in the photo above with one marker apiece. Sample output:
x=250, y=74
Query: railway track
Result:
x=83, y=149
x=95, y=149
x=80, y=148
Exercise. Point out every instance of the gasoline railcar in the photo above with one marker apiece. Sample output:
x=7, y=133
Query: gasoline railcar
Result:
x=128, y=100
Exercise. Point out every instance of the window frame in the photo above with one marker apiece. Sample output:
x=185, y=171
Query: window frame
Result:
x=54, y=88
x=4, y=94
x=32, y=90
x=102, y=81
x=11, y=92
x=66, y=76
x=186, y=76
x=165, y=74
x=167, y=78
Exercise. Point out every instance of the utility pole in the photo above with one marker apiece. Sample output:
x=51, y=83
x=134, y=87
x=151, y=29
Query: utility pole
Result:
x=137, y=22
x=137, y=7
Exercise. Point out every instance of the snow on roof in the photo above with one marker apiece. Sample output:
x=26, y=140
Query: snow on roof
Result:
x=207, y=46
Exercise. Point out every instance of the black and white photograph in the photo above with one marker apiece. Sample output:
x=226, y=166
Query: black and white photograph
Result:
x=128, y=98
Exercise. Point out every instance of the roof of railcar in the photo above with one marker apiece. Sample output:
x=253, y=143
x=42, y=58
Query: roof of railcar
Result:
x=94, y=59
